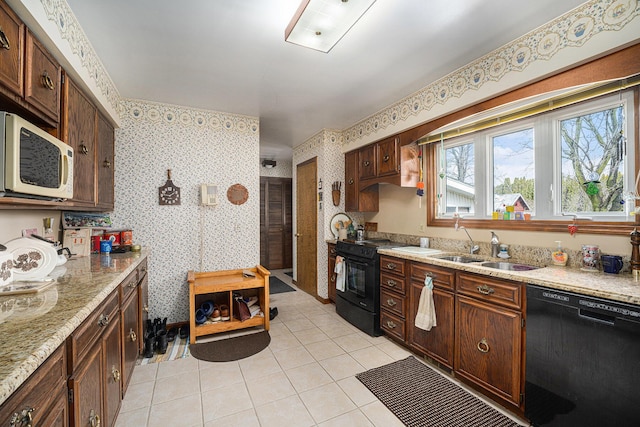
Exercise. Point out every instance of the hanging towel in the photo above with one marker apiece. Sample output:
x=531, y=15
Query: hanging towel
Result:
x=340, y=276
x=426, y=316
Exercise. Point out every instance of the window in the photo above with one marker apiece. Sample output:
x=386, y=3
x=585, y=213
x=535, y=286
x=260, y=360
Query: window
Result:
x=574, y=161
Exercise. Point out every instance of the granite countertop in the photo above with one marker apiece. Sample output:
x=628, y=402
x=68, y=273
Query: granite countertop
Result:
x=618, y=287
x=33, y=325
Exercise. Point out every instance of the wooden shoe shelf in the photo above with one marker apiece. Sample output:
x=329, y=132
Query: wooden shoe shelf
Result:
x=219, y=286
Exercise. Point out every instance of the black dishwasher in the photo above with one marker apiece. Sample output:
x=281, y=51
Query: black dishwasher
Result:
x=582, y=360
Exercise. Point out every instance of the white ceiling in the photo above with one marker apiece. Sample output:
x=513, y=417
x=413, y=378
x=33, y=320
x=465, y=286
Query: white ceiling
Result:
x=230, y=56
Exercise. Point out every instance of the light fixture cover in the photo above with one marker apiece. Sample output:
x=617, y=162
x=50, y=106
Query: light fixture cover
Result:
x=320, y=24
x=268, y=163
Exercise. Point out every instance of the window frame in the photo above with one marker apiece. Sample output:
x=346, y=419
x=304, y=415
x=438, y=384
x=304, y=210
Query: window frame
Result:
x=546, y=137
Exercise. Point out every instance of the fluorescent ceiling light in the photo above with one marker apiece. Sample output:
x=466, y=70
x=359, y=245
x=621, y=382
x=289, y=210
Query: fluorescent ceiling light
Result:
x=320, y=24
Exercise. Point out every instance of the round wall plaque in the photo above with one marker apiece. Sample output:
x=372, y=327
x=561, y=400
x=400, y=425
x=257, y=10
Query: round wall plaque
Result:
x=237, y=194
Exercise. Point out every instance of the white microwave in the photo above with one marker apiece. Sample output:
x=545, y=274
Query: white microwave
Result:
x=34, y=164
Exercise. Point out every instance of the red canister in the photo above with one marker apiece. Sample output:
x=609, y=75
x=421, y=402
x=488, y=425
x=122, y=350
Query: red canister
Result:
x=126, y=237
x=95, y=244
x=114, y=236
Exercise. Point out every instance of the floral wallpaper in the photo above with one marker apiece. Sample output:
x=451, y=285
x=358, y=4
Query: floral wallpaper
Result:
x=199, y=147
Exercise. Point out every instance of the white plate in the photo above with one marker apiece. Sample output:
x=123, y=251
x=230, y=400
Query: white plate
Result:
x=32, y=259
x=337, y=217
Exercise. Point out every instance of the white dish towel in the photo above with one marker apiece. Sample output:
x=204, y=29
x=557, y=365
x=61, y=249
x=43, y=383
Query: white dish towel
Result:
x=340, y=276
x=426, y=316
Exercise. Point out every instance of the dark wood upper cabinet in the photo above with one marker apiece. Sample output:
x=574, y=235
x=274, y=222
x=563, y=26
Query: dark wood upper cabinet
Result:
x=387, y=157
x=11, y=52
x=42, y=79
x=355, y=200
x=105, y=164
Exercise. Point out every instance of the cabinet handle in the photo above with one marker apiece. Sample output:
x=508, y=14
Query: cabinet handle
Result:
x=4, y=41
x=391, y=266
x=115, y=373
x=146, y=308
x=22, y=419
x=103, y=320
x=106, y=163
x=94, y=419
x=132, y=284
x=83, y=148
x=143, y=269
x=391, y=302
x=333, y=278
x=483, y=346
x=485, y=290
x=429, y=274
x=390, y=324
x=351, y=181
x=391, y=283
x=366, y=163
x=47, y=81
x=386, y=158
x=132, y=335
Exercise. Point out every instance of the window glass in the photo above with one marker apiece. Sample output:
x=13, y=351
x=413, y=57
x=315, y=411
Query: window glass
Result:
x=593, y=162
x=513, y=171
x=460, y=178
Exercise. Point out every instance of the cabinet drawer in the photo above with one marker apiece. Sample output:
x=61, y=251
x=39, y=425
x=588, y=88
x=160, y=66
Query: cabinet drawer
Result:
x=492, y=290
x=393, y=302
x=38, y=391
x=393, y=325
x=128, y=285
x=392, y=282
x=442, y=277
x=88, y=333
x=395, y=265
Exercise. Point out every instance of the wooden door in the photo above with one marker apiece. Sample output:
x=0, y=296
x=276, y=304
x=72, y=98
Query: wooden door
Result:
x=275, y=223
x=104, y=164
x=143, y=309
x=11, y=52
x=129, y=313
x=351, y=181
x=86, y=389
x=307, y=227
x=367, y=162
x=331, y=274
x=387, y=156
x=42, y=79
x=112, y=371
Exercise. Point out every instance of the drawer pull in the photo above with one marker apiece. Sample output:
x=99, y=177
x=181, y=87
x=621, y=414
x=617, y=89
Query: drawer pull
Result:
x=351, y=181
x=385, y=158
x=84, y=149
x=132, y=335
x=4, y=41
x=390, y=324
x=391, y=266
x=131, y=284
x=391, y=302
x=47, y=81
x=94, y=419
x=391, y=283
x=103, y=320
x=366, y=163
x=485, y=290
x=115, y=373
x=483, y=346
x=22, y=419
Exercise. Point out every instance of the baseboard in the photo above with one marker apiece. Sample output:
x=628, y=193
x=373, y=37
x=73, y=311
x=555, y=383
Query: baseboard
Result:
x=323, y=300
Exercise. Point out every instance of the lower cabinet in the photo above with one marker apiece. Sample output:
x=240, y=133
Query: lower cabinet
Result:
x=438, y=343
x=490, y=337
x=143, y=306
x=42, y=399
x=130, y=349
x=393, y=297
x=331, y=274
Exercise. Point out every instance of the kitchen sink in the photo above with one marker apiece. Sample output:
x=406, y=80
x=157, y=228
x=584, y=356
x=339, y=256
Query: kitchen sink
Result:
x=509, y=266
x=458, y=258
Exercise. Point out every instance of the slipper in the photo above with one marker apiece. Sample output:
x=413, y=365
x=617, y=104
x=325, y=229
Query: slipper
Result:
x=184, y=332
x=171, y=335
x=224, y=312
x=215, y=314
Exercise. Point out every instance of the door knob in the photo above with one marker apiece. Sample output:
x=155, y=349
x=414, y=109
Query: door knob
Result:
x=298, y=234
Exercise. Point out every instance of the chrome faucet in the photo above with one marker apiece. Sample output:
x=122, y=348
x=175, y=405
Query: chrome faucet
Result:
x=473, y=249
x=495, y=245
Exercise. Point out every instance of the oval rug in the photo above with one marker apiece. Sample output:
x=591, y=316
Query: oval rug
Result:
x=230, y=349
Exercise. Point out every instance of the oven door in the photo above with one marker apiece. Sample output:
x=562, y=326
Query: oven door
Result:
x=359, y=283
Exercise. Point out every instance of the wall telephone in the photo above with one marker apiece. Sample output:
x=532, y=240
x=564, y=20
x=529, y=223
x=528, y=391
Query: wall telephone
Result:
x=208, y=195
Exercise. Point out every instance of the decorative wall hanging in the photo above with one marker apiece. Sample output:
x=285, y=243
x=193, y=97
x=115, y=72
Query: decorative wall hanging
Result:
x=237, y=194
x=169, y=194
x=335, y=192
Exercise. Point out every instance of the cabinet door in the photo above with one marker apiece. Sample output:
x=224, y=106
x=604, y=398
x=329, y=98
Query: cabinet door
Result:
x=367, y=162
x=112, y=372
x=331, y=274
x=43, y=76
x=104, y=164
x=129, y=312
x=351, y=181
x=387, y=157
x=11, y=51
x=58, y=414
x=143, y=309
x=80, y=131
x=86, y=389
x=438, y=343
x=488, y=347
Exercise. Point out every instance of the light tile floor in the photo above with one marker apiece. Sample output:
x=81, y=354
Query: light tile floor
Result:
x=305, y=377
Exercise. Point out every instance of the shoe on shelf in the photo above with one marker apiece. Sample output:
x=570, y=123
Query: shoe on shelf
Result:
x=224, y=312
x=200, y=317
x=207, y=308
x=215, y=314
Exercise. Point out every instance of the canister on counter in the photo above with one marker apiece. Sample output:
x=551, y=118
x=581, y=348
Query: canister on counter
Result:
x=113, y=235
x=95, y=243
x=126, y=237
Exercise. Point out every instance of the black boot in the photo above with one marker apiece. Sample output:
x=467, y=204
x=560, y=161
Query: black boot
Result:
x=161, y=341
x=149, y=346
